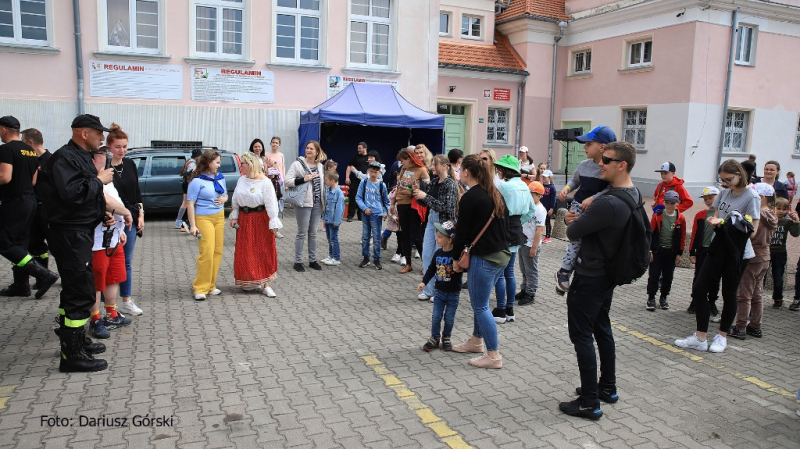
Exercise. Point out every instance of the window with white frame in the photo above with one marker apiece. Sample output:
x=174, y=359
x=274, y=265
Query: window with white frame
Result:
x=23, y=21
x=797, y=140
x=640, y=53
x=634, y=125
x=444, y=24
x=497, y=126
x=219, y=28
x=736, y=131
x=582, y=62
x=298, y=30
x=370, y=26
x=132, y=24
x=746, y=44
x=471, y=26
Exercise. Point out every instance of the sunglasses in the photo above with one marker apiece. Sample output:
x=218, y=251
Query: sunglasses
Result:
x=607, y=160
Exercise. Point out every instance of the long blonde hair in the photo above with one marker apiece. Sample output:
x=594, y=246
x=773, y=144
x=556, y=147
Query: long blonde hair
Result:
x=443, y=160
x=255, y=164
x=320, y=158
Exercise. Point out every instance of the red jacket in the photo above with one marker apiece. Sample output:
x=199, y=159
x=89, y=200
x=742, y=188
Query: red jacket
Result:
x=678, y=234
x=697, y=231
x=677, y=185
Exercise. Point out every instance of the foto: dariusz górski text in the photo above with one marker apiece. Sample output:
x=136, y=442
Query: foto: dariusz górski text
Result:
x=107, y=421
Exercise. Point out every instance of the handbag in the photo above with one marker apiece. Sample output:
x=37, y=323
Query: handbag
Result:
x=295, y=196
x=463, y=261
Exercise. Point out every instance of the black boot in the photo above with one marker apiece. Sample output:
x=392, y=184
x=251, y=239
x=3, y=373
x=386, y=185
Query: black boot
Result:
x=88, y=345
x=20, y=286
x=45, y=263
x=74, y=358
x=45, y=277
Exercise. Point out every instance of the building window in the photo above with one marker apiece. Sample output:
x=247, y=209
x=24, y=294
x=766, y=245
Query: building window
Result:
x=746, y=44
x=471, y=27
x=370, y=24
x=497, y=126
x=444, y=24
x=582, y=62
x=736, y=131
x=797, y=140
x=634, y=124
x=23, y=21
x=640, y=53
x=219, y=28
x=132, y=24
x=298, y=30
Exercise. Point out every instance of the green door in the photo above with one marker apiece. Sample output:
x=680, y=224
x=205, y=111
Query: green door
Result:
x=572, y=153
x=455, y=126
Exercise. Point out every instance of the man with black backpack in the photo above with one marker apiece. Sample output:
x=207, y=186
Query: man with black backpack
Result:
x=616, y=235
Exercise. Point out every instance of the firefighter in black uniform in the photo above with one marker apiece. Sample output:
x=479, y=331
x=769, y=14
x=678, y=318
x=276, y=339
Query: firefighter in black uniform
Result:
x=76, y=204
x=18, y=173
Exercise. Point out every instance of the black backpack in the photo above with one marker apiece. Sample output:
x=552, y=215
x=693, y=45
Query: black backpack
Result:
x=632, y=258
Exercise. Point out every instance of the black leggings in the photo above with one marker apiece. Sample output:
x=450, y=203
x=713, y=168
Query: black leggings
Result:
x=547, y=226
x=409, y=234
x=716, y=267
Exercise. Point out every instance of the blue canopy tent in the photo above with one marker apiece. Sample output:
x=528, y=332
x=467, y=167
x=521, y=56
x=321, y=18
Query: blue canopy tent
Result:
x=373, y=113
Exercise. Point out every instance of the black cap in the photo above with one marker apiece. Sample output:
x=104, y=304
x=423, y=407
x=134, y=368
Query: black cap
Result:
x=89, y=121
x=197, y=152
x=9, y=121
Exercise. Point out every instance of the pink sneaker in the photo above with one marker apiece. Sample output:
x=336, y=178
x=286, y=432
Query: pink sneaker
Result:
x=485, y=361
x=546, y=240
x=469, y=346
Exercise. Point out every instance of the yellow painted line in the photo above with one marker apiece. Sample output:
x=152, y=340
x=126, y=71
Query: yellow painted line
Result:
x=696, y=358
x=449, y=436
x=4, y=391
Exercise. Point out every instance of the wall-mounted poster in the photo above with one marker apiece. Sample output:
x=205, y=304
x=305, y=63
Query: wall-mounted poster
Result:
x=337, y=83
x=232, y=85
x=135, y=80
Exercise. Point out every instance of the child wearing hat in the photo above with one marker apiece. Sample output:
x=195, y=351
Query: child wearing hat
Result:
x=702, y=234
x=447, y=287
x=372, y=198
x=670, y=182
x=529, y=253
x=666, y=248
x=750, y=303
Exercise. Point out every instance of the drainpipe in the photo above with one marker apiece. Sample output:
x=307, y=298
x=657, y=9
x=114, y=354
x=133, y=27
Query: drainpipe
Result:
x=561, y=26
x=731, y=58
x=520, y=95
x=76, y=14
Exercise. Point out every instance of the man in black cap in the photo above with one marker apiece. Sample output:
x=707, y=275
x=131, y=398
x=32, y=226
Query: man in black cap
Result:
x=76, y=205
x=18, y=171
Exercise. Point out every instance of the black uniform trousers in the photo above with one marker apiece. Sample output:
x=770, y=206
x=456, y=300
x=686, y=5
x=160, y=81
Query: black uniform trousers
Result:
x=16, y=216
x=37, y=244
x=72, y=249
x=663, y=267
x=588, y=306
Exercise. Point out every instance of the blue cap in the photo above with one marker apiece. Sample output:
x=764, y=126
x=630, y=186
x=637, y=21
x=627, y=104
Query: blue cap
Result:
x=601, y=134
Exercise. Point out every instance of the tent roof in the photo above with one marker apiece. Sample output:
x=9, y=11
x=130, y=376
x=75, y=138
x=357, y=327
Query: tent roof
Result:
x=373, y=105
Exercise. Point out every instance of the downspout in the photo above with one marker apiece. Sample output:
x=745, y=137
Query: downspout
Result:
x=732, y=56
x=76, y=15
x=561, y=26
x=520, y=95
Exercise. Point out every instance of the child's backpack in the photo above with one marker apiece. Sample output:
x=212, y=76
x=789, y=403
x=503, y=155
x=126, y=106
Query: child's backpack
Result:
x=631, y=259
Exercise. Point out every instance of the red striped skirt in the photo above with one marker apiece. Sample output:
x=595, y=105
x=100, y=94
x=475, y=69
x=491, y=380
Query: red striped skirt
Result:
x=255, y=263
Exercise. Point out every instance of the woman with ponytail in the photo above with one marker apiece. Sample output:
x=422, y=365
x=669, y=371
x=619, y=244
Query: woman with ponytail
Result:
x=488, y=257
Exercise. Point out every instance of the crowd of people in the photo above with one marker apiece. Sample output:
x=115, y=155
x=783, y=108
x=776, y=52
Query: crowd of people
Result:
x=476, y=216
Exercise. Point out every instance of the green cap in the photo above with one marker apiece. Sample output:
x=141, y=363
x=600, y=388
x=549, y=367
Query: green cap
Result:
x=508, y=161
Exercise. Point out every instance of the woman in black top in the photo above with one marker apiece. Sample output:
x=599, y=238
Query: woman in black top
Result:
x=487, y=258
x=126, y=181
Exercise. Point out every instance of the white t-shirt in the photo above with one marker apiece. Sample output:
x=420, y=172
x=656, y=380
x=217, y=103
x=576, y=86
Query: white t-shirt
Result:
x=538, y=220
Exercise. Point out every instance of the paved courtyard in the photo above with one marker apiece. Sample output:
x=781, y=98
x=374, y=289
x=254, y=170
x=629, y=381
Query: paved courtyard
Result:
x=334, y=361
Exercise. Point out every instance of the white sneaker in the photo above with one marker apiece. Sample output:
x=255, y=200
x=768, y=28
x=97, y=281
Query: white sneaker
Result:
x=718, y=344
x=396, y=258
x=336, y=262
x=215, y=292
x=131, y=308
x=270, y=292
x=423, y=297
x=416, y=254
x=278, y=234
x=327, y=261
x=716, y=318
x=402, y=261
x=692, y=342
x=199, y=297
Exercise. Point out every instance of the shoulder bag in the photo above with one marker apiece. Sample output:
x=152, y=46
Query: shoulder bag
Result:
x=463, y=261
x=295, y=196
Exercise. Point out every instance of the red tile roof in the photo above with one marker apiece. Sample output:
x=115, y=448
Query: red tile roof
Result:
x=553, y=9
x=500, y=56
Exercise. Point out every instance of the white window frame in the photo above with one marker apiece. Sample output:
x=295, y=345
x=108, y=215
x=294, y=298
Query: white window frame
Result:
x=731, y=130
x=298, y=13
x=629, y=50
x=16, y=21
x=371, y=21
x=638, y=129
x=797, y=140
x=469, y=35
x=244, y=6
x=102, y=9
x=574, y=63
x=449, y=31
x=491, y=117
x=741, y=52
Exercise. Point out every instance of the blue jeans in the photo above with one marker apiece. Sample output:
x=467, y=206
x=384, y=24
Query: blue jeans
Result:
x=480, y=281
x=429, y=247
x=332, y=232
x=125, y=286
x=506, y=285
x=371, y=230
x=444, y=305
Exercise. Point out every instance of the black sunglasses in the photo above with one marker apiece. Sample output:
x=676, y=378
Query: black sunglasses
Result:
x=607, y=160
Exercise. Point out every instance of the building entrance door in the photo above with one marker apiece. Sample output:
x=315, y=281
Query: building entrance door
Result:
x=455, y=126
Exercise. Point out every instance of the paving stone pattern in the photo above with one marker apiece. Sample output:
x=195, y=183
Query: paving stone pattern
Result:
x=241, y=370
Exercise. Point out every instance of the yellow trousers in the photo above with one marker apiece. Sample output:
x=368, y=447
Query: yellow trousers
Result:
x=212, y=228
